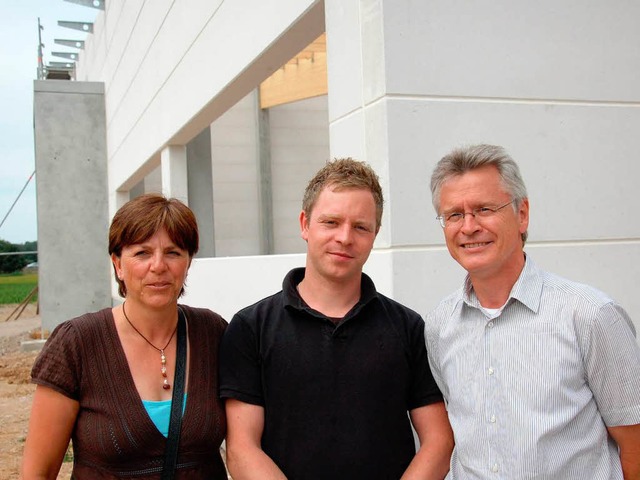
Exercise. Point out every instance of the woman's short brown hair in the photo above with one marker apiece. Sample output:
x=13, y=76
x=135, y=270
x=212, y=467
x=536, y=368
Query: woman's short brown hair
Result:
x=140, y=218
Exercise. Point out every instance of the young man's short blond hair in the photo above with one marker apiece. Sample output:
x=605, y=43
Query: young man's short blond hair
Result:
x=344, y=174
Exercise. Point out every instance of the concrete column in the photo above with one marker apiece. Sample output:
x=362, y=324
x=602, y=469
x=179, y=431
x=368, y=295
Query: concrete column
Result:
x=72, y=199
x=265, y=184
x=234, y=151
x=118, y=199
x=153, y=181
x=357, y=115
x=200, y=182
x=299, y=138
x=174, y=172
x=137, y=190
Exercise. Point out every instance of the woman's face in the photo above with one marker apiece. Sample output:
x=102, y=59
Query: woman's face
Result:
x=153, y=271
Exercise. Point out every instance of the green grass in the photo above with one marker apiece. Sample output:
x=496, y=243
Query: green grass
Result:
x=15, y=288
x=68, y=456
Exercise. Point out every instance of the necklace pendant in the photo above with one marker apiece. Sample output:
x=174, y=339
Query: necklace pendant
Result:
x=163, y=370
x=163, y=357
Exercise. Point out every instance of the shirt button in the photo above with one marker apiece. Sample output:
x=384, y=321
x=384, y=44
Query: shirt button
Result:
x=490, y=324
x=494, y=468
x=490, y=371
x=492, y=419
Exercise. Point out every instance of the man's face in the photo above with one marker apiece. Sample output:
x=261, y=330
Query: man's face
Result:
x=489, y=247
x=339, y=233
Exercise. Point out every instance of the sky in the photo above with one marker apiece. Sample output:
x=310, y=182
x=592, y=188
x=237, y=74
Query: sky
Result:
x=18, y=70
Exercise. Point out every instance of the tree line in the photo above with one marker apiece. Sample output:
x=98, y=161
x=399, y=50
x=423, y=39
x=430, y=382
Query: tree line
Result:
x=15, y=263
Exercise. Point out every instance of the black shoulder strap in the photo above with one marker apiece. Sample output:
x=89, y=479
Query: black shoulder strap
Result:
x=175, y=422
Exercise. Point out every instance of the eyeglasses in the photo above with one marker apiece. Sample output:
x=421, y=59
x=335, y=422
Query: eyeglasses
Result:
x=480, y=214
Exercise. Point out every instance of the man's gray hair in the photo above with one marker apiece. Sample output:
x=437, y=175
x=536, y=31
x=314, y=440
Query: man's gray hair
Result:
x=464, y=159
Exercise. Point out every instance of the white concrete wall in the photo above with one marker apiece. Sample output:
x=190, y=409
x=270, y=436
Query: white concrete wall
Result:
x=169, y=70
x=299, y=148
x=228, y=284
x=234, y=155
x=556, y=83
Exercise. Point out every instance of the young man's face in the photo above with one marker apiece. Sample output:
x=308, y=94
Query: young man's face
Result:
x=339, y=233
x=485, y=247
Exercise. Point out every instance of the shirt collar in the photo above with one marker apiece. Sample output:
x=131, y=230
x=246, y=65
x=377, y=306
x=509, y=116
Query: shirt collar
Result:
x=527, y=289
x=292, y=297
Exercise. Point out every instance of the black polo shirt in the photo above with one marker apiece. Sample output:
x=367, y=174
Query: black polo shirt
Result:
x=335, y=396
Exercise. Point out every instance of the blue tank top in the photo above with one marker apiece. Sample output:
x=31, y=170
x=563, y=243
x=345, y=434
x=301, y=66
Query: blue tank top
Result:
x=160, y=413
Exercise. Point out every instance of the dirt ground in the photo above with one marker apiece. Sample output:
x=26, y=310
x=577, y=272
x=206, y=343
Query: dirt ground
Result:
x=16, y=391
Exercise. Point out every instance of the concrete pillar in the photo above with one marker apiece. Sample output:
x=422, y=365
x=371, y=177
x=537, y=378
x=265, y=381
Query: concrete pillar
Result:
x=174, y=172
x=299, y=138
x=358, y=121
x=234, y=151
x=118, y=198
x=265, y=183
x=153, y=181
x=137, y=190
x=72, y=199
x=200, y=183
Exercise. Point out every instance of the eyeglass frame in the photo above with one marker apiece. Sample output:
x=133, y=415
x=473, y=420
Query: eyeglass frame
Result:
x=473, y=213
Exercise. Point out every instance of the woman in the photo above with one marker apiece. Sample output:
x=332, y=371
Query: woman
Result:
x=105, y=380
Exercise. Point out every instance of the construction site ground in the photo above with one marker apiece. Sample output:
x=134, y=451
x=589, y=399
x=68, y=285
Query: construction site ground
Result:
x=16, y=391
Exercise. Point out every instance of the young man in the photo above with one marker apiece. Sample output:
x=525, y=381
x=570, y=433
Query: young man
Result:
x=318, y=378
x=541, y=375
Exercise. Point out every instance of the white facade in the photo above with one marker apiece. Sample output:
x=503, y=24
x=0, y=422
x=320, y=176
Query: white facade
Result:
x=556, y=83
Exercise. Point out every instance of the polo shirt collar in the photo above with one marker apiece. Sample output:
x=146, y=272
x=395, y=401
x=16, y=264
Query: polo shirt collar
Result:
x=527, y=289
x=292, y=297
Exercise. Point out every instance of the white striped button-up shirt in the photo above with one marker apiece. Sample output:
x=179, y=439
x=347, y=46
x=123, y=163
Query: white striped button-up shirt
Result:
x=531, y=392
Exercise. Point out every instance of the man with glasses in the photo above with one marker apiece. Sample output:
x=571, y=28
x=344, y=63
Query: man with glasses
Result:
x=541, y=375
